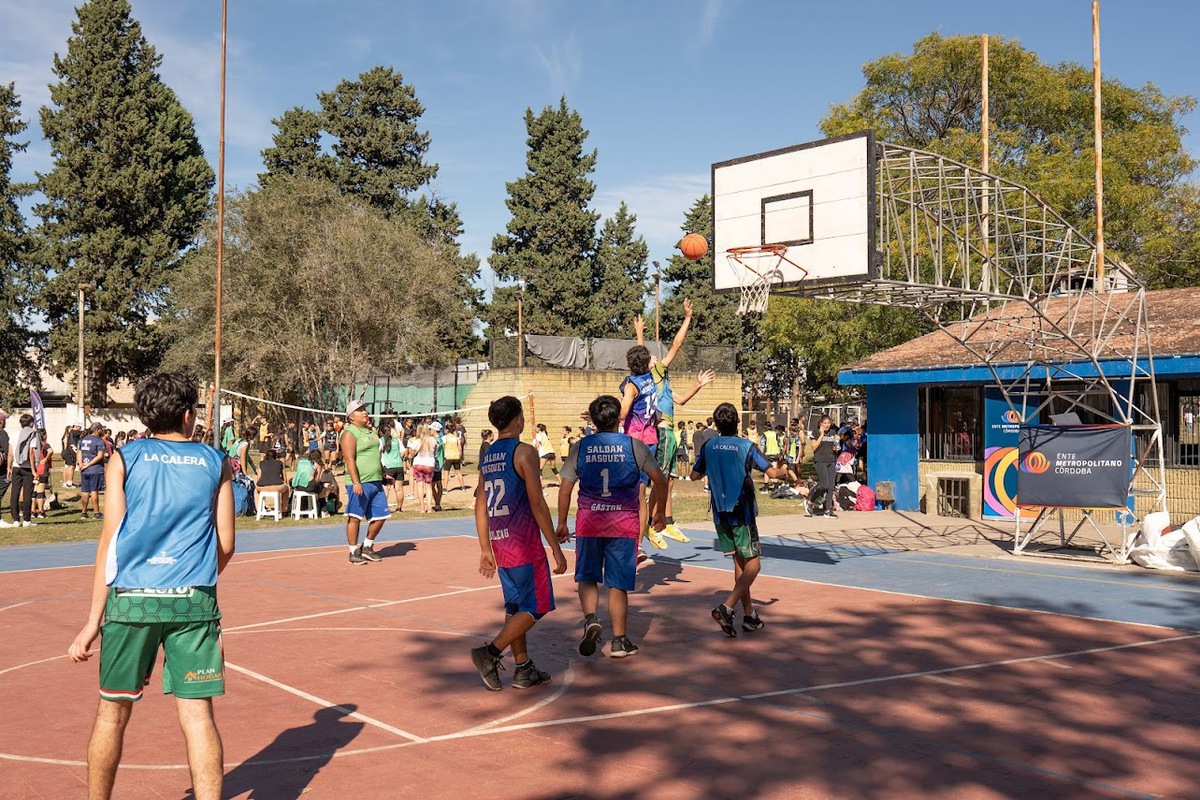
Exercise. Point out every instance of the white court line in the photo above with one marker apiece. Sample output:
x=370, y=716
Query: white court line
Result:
x=947, y=681
x=568, y=679
x=326, y=704
x=32, y=664
x=481, y=731
x=896, y=593
x=16, y=605
x=359, y=630
x=1054, y=663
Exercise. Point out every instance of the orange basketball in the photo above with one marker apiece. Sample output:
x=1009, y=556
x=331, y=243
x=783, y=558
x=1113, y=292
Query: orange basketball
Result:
x=693, y=246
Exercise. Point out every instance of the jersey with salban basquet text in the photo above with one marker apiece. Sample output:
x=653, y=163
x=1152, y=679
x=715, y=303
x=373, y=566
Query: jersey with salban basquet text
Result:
x=608, y=468
x=728, y=461
x=514, y=533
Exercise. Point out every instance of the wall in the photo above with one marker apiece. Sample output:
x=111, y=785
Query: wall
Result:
x=892, y=449
x=561, y=395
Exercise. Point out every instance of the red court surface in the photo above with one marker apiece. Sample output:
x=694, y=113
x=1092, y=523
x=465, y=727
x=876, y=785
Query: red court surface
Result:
x=355, y=682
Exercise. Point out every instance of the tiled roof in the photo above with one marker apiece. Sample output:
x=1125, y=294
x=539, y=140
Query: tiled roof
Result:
x=1174, y=317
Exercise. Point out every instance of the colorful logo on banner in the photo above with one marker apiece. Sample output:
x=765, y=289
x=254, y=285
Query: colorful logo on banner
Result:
x=1000, y=484
x=1035, y=463
x=1012, y=417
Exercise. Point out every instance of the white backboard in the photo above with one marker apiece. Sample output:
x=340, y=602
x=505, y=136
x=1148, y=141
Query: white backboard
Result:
x=816, y=198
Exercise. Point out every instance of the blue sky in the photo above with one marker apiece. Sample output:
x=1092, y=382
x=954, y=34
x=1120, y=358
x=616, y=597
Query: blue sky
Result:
x=665, y=87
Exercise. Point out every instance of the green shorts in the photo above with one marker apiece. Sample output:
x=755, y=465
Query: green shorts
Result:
x=668, y=446
x=193, y=666
x=740, y=539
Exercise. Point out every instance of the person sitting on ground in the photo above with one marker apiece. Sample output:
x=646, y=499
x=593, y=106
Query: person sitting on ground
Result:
x=269, y=477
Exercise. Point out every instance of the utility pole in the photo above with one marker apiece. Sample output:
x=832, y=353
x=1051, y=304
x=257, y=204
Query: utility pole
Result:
x=80, y=388
x=657, y=284
x=1097, y=121
x=521, y=324
x=214, y=431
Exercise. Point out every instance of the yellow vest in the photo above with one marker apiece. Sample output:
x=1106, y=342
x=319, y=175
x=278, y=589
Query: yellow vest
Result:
x=771, y=438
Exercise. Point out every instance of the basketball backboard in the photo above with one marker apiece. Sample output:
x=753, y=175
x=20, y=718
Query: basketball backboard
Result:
x=817, y=198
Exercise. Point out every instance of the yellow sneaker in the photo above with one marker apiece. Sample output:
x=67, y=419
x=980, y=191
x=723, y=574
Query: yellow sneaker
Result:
x=656, y=539
x=674, y=532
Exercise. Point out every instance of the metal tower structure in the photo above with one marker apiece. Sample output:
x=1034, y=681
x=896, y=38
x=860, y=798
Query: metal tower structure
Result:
x=1019, y=288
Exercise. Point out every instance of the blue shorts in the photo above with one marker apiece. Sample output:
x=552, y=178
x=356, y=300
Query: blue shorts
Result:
x=527, y=588
x=371, y=505
x=92, y=483
x=611, y=559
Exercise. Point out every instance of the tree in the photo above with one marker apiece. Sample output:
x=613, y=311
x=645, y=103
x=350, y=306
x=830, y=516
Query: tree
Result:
x=619, y=275
x=17, y=371
x=302, y=309
x=715, y=320
x=126, y=195
x=378, y=154
x=550, y=241
x=1042, y=136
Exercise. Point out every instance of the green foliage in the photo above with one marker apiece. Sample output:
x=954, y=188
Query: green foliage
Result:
x=809, y=341
x=127, y=193
x=18, y=373
x=378, y=154
x=714, y=317
x=550, y=242
x=619, y=276
x=302, y=313
x=1042, y=136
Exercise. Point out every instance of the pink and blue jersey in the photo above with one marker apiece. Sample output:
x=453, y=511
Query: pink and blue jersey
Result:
x=642, y=420
x=514, y=533
x=609, y=476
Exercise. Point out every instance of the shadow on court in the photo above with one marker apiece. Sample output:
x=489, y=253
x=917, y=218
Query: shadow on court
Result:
x=851, y=695
x=396, y=549
x=284, y=768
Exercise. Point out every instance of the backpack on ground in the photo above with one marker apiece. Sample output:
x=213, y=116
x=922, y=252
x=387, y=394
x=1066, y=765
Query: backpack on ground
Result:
x=243, y=497
x=865, y=500
x=845, y=498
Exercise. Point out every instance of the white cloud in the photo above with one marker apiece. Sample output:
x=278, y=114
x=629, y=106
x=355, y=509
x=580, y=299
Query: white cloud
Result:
x=563, y=63
x=708, y=22
x=660, y=203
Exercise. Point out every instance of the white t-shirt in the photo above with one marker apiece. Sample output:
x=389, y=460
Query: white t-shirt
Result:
x=423, y=458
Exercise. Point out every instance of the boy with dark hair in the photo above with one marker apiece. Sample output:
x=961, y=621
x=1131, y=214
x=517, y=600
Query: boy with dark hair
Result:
x=168, y=532
x=727, y=460
x=608, y=466
x=510, y=513
x=92, y=455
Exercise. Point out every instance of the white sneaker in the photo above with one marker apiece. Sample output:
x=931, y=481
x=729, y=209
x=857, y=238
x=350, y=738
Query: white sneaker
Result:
x=28, y=524
x=4, y=524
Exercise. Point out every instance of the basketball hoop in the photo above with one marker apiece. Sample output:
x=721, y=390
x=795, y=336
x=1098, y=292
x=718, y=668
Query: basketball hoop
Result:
x=757, y=268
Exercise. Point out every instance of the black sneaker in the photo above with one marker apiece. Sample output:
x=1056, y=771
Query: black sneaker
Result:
x=591, y=635
x=369, y=554
x=527, y=677
x=724, y=618
x=621, y=647
x=753, y=623
x=356, y=556
x=831, y=515
x=488, y=666
x=99, y=515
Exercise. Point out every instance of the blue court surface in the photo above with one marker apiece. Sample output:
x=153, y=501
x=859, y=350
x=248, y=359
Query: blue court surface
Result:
x=1124, y=594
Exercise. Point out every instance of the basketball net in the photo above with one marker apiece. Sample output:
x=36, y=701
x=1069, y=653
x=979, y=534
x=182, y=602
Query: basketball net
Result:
x=757, y=268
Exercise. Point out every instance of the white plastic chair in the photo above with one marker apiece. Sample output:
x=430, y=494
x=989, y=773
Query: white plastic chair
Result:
x=304, y=505
x=261, y=506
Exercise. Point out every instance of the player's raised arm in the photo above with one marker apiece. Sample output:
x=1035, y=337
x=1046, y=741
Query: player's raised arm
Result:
x=680, y=335
x=703, y=379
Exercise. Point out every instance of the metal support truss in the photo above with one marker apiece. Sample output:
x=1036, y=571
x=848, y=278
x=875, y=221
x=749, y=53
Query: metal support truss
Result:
x=1018, y=288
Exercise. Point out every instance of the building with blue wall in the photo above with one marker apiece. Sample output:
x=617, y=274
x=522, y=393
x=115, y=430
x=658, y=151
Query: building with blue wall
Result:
x=933, y=411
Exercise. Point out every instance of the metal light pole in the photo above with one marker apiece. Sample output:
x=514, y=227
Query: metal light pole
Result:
x=80, y=396
x=215, y=430
x=521, y=323
x=657, y=285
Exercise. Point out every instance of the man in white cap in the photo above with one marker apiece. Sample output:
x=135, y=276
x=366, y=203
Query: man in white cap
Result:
x=365, y=497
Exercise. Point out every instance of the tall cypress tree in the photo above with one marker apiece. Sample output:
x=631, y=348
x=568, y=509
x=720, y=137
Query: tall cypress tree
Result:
x=714, y=319
x=126, y=196
x=378, y=154
x=551, y=239
x=620, y=275
x=17, y=371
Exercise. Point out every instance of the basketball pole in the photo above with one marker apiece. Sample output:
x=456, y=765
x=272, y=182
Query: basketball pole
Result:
x=215, y=431
x=1099, y=145
x=985, y=135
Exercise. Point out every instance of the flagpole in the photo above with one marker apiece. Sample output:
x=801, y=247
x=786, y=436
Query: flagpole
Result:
x=215, y=431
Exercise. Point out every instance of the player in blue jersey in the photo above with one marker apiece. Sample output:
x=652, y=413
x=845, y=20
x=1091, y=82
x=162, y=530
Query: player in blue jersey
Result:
x=727, y=459
x=168, y=531
x=608, y=467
